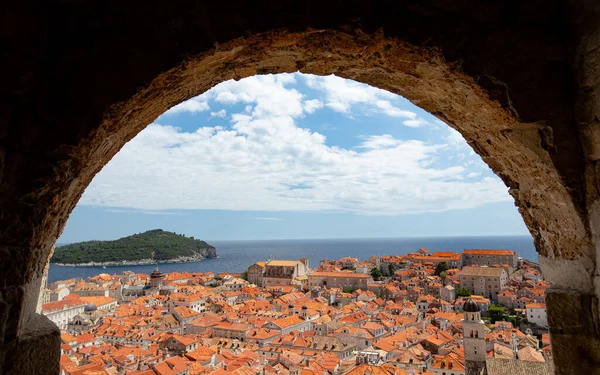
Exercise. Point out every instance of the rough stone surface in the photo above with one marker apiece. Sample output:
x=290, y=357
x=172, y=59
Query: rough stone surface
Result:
x=574, y=331
x=35, y=351
x=519, y=79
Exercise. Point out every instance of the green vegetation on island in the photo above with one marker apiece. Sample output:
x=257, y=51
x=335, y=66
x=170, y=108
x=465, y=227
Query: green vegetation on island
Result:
x=154, y=245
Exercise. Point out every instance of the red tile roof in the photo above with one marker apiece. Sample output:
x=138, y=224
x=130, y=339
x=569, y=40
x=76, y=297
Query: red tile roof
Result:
x=488, y=252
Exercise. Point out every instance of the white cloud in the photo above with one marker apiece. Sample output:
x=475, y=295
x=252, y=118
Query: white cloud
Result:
x=341, y=94
x=265, y=162
x=268, y=218
x=226, y=97
x=416, y=122
x=222, y=114
x=387, y=108
x=455, y=139
x=145, y=212
x=268, y=94
x=379, y=141
x=312, y=105
x=194, y=105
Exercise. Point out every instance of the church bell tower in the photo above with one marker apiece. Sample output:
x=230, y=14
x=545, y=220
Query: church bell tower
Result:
x=156, y=278
x=473, y=338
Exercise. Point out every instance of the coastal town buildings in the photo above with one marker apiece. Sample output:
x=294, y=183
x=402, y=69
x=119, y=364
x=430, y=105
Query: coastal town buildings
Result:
x=536, y=314
x=490, y=257
x=341, y=280
x=90, y=289
x=256, y=272
x=334, y=319
x=61, y=312
x=484, y=281
x=453, y=260
x=283, y=272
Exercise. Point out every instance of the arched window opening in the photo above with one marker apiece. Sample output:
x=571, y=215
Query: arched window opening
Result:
x=273, y=155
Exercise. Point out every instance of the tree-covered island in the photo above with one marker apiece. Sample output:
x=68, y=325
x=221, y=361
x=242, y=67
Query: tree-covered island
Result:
x=144, y=248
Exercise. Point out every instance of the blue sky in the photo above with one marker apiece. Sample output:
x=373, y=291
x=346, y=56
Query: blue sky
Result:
x=295, y=156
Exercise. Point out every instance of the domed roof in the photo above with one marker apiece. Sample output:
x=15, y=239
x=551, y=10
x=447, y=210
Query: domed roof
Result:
x=156, y=273
x=471, y=306
x=90, y=307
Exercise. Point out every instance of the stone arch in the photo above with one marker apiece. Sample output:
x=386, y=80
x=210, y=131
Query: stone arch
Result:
x=519, y=84
x=517, y=151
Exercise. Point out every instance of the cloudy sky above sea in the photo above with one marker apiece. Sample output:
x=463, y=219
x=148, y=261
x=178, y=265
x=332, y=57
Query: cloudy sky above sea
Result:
x=295, y=156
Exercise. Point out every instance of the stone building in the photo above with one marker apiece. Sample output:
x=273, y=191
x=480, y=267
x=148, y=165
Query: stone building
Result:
x=90, y=290
x=61, y=312
x=156, y=278
x=485, y=281
x=231, y=330
x=100, y=303
x=490, y=257
x=507, y=298
x=349, y=262
x=255, y=273
x=290, y=323
x=58, y=294
x=448, y=293
x=235, y=284
x=195, y=302
x=536, y=314
x=453, y=260
x=131, y=292
x=178, y=344
x=342, y=280
x=283, y=272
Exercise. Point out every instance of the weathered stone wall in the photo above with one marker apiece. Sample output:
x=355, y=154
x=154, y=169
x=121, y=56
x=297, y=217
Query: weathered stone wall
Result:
x=518, y=79
x=573, y=310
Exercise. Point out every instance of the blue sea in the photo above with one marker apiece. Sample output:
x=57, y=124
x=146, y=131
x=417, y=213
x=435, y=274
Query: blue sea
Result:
x=236, y=256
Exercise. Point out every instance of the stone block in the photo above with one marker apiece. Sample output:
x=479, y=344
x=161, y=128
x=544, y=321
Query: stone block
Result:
x=567, y=311
x=576, y=354
x=35, y=352
x=572, y=318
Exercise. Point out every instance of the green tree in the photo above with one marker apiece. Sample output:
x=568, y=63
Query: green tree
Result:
x=444, y=277
x=348, y=290
x=463, y=292
x=441, y=267
x=376, y=273
x=496, y=312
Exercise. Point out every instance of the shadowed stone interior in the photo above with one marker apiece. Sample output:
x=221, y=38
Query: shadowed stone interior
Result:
x=519, y=80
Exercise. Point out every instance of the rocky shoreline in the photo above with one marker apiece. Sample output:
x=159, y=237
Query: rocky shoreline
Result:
x=140, y=262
